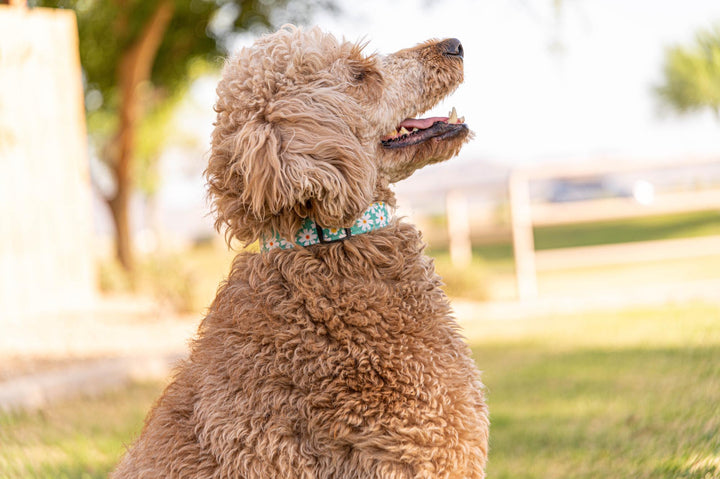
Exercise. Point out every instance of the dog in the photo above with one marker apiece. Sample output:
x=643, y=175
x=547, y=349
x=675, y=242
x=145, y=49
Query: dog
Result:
x=332, y=352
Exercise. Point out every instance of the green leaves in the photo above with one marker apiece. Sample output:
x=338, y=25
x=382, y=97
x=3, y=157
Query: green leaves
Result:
x=692, y=74
x=198, y=34
x=137, y=57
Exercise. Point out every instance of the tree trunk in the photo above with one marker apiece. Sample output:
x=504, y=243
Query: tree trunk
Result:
x=119, y=206
x=133, y=73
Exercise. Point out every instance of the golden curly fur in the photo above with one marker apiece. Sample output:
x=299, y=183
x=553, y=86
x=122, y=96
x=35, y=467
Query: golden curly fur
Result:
x=337, y=360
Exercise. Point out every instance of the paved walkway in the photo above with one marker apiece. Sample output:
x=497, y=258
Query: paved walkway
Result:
x=88, y=378
x=118, y=326
x=43, y=359
x=125, y=339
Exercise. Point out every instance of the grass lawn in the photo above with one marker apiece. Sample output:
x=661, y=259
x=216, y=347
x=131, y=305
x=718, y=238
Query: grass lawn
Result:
x=633, y=394
x=685, y=225
x=80, y=439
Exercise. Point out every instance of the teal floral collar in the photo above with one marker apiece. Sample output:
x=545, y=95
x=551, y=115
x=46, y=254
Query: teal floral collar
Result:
x=375, y=217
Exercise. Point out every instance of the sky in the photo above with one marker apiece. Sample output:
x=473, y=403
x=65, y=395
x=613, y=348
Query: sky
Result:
x=544, y=84
x=540, y=85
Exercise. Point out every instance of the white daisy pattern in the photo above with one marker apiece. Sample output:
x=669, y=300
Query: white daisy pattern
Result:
x=376, y=216
x=380, y=218
x=333, y=234
x=307, y=237
x=271, y=243
x=275, y=241
x=365, y=222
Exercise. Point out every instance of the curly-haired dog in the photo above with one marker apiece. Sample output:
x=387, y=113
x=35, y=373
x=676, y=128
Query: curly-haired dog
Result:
x=333, y=352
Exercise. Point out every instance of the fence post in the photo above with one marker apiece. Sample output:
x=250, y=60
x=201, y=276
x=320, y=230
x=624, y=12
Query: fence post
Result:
x=522, y=234
x=458, y=222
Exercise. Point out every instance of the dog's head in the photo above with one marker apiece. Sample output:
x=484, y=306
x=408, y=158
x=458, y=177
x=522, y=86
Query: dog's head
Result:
x=310, y=126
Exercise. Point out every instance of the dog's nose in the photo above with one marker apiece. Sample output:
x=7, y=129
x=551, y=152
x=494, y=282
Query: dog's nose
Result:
x=453, y=47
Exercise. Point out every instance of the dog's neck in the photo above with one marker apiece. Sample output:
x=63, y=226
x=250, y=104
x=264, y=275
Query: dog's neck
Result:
x=376, y=216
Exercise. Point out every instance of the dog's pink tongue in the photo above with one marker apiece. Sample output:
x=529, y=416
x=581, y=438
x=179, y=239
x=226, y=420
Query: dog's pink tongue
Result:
x=422, y=123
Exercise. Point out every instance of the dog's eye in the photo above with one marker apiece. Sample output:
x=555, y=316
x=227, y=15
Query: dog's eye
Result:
x=359, y=76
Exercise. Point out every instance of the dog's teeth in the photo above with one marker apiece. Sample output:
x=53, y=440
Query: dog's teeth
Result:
x=461, y=119
x=414, y=130
x=453, y=116
x=403, y=131
x=393, y=133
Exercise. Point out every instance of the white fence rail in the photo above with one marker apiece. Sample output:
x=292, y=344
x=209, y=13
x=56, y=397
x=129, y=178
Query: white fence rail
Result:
x=525, y=215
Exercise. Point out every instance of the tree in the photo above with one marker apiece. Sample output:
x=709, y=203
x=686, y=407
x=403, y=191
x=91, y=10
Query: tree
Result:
x=692, y=75
x=136, y=56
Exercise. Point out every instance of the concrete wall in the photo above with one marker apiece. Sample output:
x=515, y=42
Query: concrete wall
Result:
x=46, y=253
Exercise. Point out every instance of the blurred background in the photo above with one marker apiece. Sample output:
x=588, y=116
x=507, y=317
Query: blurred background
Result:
x=578, y=234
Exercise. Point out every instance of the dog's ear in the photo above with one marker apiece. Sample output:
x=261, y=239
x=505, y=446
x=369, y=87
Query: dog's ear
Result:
x=243, y=171
x=303, y=158
x=324, y=155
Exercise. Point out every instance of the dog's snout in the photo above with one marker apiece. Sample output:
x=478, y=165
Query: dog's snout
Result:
x=453, y=47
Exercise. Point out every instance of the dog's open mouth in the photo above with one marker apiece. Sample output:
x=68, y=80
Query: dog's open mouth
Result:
x=413, y=131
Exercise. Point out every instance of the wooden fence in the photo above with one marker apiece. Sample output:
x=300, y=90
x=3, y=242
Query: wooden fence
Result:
x=525, y=215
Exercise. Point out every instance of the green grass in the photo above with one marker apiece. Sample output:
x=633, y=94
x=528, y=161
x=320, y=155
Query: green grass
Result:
x=185, y=281
x=632, y=394
x=81, y=439
x=626, y=395
x=682, y=225
x=499, y=256
x=459, y=282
